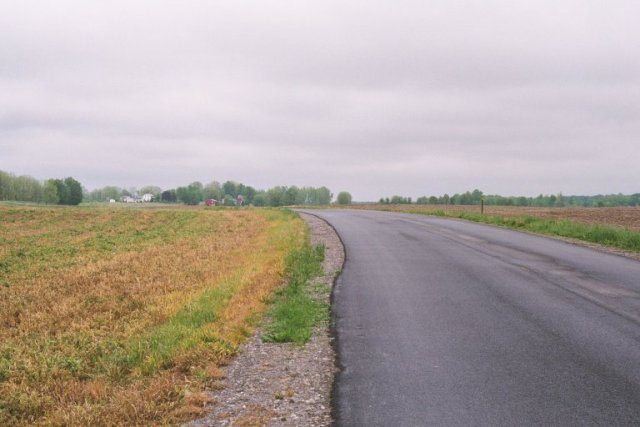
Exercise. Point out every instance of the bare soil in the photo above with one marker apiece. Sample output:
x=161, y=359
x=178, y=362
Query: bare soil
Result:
x=627, y=217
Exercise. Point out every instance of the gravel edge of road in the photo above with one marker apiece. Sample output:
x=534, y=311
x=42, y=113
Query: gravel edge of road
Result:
x=270, y=384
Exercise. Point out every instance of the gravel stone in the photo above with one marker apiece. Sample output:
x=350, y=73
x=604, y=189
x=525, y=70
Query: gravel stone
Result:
x=271, y=384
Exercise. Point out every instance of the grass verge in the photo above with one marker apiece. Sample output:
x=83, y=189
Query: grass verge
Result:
x=296, y=308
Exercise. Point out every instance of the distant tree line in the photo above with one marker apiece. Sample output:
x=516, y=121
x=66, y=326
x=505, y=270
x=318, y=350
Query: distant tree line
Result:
x=24, y=188
x=225, y=194
x=396, y=200
x=554, y=200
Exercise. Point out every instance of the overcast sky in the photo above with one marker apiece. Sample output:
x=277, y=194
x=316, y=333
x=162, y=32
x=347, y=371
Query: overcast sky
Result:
x=377, y=98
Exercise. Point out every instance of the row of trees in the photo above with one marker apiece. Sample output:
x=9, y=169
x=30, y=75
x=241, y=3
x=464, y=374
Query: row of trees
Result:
x=25, y=188
x=284, y=196
x=554, y=200
x=395, y=200
x=228, y=192
x=225, y=193
x=69, y=191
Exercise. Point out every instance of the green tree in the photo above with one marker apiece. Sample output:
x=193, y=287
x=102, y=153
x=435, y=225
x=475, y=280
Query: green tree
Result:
x=62, y=191
x=323, y=196
x=230, y=188
x=6, y=186
x=276, y=196
x=260, y=198
x=74, y=189
x=291, y=195
x=27, y=189
x=344, y=198
x=399, y=200
x=50, y=193
x=213, y=190
x=169, y=196
x=249, y=194
x=191, y=194
x=476, y=197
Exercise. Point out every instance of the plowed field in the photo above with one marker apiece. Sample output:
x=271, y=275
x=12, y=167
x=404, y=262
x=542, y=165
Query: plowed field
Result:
x=627, y=217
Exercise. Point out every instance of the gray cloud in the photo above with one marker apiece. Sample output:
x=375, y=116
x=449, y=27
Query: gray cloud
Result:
x=378, y=98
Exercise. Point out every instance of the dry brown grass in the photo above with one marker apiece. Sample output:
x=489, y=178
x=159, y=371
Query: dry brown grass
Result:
x=122, y=316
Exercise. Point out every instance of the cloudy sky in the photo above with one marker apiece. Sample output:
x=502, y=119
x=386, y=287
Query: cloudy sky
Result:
x=375, y=97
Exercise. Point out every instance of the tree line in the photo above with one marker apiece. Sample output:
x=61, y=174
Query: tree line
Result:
x=24, y=188
x=475, y=197
x=225, y=194
x=69, y=191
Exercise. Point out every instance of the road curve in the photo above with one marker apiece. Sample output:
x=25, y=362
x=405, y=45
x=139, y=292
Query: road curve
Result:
x=445, y=322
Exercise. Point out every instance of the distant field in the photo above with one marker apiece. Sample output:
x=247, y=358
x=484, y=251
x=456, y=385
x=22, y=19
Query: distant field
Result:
x=628, y=217
x=123, y=315
x=615, y=227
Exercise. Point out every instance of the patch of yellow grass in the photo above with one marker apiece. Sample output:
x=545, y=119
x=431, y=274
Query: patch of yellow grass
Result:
x=121, y=316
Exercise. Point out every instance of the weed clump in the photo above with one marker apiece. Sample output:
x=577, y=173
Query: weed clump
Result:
x=295, y=312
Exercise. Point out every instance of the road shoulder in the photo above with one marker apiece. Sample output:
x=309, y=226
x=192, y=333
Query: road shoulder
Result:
x=272, y=384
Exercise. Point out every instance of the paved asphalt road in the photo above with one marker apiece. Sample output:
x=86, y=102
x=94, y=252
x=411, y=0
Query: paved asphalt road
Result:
x=443, y=322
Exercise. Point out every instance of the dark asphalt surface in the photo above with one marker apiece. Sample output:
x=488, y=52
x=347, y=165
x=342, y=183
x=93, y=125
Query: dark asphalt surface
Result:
x=444, y=322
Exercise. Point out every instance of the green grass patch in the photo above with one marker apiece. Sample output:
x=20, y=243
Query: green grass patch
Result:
x=184, y=331
x=295, y=311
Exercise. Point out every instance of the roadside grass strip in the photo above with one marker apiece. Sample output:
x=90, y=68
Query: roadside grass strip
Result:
x=616, y=237
x=124, y=316
x=295, y=310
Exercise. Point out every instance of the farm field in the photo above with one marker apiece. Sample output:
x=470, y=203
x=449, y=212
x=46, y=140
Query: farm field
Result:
x=627, y=217
x=113, y=315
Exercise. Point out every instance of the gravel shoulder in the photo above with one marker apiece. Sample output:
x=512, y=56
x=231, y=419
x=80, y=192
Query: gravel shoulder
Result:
x=270, y=384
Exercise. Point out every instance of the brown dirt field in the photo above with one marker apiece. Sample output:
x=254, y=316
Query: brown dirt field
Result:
x=627, y=217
